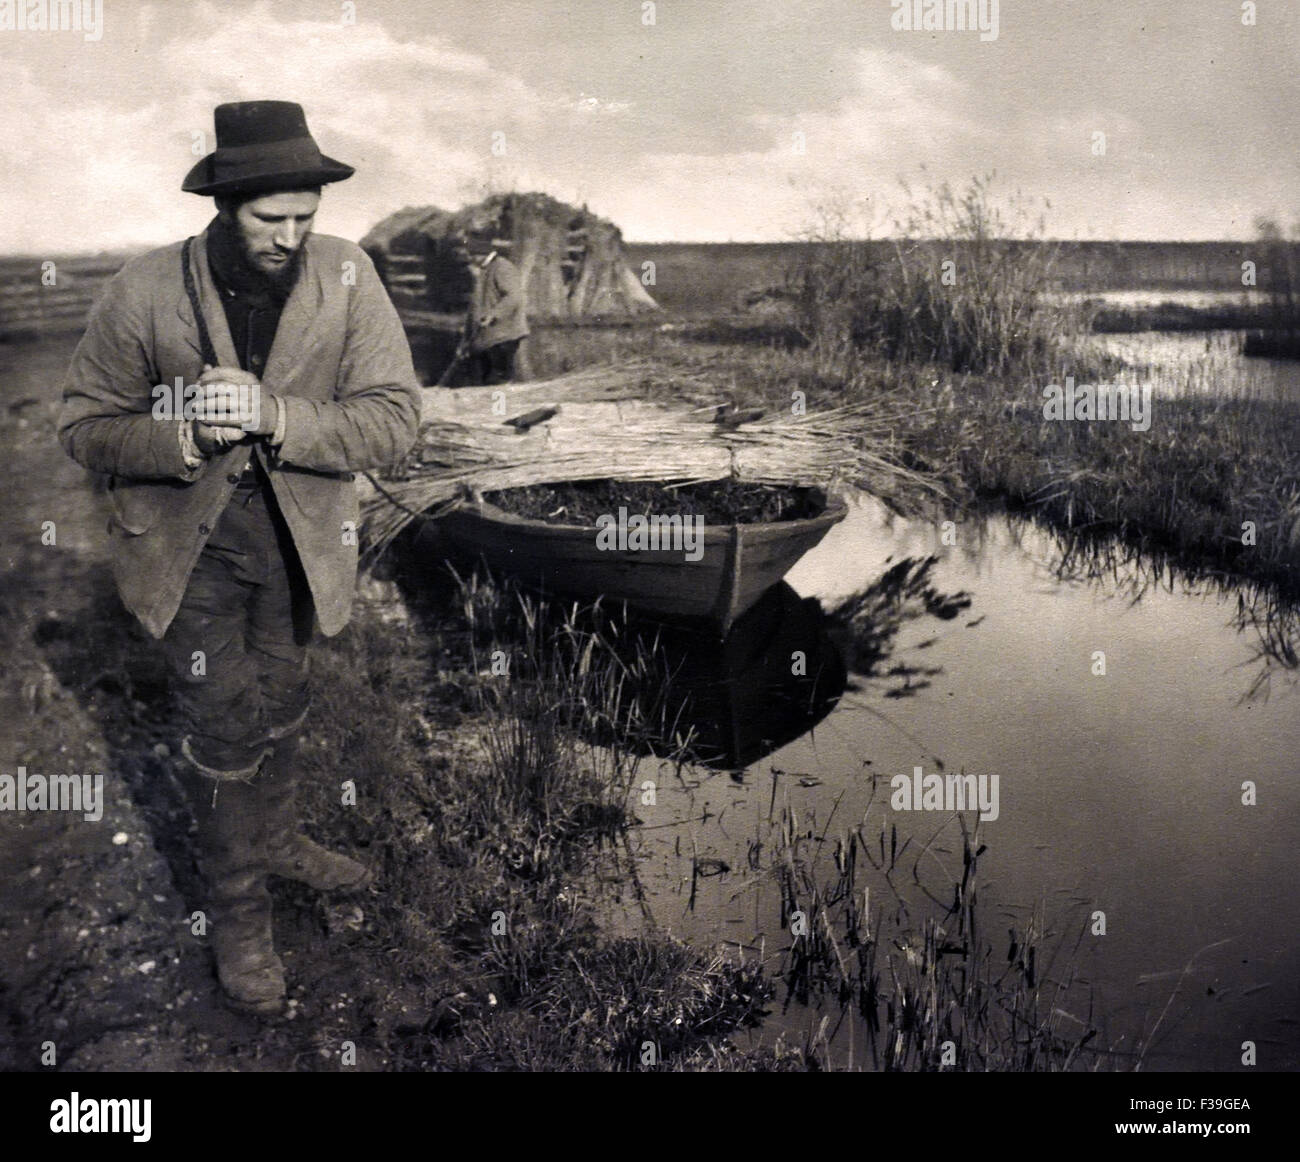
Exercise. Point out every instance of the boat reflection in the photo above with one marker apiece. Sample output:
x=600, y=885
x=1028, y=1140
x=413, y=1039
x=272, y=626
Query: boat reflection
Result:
x=784, y=665
x=732, y=702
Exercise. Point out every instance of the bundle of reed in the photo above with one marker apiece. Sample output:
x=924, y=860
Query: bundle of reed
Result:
x=603, y=438
x=631, y=381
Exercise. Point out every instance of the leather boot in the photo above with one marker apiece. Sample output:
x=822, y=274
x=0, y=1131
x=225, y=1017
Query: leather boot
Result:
x=289, y=853
x=232, y=861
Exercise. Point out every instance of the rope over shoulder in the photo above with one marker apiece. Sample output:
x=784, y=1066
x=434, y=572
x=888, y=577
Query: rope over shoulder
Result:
x=187, y=273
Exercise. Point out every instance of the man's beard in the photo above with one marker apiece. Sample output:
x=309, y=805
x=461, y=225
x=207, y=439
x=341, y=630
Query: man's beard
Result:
x=280, y=279
x=237, y=263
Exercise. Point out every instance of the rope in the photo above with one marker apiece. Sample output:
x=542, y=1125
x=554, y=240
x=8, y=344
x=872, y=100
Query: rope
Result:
x=205, y=339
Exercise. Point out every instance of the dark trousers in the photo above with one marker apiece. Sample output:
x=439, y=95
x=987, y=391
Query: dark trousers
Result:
x=238, y=646
x=494, y=365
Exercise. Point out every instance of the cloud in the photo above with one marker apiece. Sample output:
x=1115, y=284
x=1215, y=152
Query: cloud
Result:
x=901, y=114
x=672, y=133
x=416, y=118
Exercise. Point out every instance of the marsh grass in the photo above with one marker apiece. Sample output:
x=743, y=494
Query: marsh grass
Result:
x=949, y=290
x=1214, y=483
x=482, y=801
x=1185, y=488
x=917, y=980
x=639, y=1003
x=955, y=372
x=917, y=967
x=567, y=709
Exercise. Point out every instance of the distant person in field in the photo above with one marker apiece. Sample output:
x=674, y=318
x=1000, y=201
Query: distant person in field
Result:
x=497, y=320
x=231, y=385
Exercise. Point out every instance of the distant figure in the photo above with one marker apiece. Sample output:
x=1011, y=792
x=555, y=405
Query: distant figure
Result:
x=497, y=320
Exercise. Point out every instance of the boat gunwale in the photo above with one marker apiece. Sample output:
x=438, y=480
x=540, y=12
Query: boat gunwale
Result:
x=835, y=511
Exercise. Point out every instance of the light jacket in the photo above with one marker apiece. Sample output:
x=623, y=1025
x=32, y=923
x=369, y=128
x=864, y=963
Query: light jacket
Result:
x=498, y=295
x=341, y=367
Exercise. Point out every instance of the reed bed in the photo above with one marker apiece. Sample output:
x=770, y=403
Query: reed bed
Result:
x=934, y=990
x=951, y=288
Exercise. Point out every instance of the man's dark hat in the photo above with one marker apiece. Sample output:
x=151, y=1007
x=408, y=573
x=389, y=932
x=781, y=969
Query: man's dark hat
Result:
x=263, y=146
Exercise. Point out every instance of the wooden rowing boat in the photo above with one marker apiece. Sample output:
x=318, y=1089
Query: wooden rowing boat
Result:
x=737, y=565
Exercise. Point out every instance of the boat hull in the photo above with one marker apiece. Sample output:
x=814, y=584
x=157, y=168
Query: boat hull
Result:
x=737, y=565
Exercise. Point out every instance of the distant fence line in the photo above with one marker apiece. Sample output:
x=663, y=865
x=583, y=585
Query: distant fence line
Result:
x=1078, y=266
x=29, y=307
x=36, y=300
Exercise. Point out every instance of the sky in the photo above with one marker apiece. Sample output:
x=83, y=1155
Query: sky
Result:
x=681, y=120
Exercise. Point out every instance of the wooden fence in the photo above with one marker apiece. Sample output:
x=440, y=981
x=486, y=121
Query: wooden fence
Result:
x=38, y=299
x=688, y=275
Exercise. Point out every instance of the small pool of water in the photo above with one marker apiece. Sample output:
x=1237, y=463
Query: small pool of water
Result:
x=1178, y=363
x=1121, y=729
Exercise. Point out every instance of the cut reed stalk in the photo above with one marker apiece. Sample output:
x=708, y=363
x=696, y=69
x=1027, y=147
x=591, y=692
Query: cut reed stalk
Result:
x=593, y=437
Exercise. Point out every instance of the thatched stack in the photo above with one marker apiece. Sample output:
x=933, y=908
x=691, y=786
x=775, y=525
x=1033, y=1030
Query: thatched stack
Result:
x=573, y=263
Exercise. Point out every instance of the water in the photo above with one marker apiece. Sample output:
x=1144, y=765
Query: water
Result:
x=1119, y=793
x=1203, y=363
x=1202, y=299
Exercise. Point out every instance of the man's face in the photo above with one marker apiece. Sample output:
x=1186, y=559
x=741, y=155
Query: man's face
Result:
x=272, y=228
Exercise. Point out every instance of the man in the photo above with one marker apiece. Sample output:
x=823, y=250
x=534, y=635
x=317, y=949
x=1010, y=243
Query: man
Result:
x=496, y=321
x=234, y=513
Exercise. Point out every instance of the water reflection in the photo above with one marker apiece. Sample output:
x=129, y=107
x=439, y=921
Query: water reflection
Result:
x=784, y=666
x=1122, y=794
x=733, y=702
x=1268, y=615
x=1202, y=363
x=866, y=623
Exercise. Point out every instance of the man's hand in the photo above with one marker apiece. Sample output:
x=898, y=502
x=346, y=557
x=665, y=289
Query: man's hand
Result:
x=231, y=398
x=209, y=439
